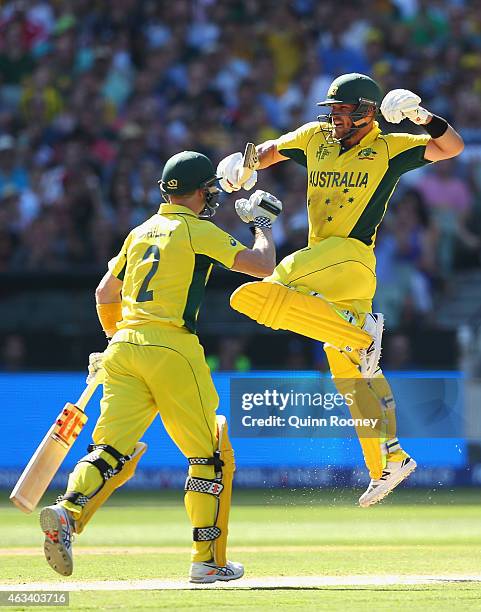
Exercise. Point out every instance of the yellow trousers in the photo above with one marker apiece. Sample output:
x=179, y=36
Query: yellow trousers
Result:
x=342, y=271
x=149, y=371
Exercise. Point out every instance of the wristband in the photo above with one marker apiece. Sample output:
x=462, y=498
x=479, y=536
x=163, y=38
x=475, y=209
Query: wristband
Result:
x=263, y=222
x=436, y=127
x=109, y=315
x=259, y=222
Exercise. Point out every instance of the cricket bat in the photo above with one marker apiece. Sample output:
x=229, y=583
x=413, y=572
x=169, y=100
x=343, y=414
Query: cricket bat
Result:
x=250, y=162
x=51, y=452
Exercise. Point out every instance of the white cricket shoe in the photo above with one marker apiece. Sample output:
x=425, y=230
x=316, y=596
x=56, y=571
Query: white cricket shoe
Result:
x=58, y=529
x=374, y=326
x=393, y=474
x=208, y=571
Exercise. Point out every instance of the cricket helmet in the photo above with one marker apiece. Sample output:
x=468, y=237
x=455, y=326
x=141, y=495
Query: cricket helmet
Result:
x=353, y=88
x=357, y=89
x=187, y=171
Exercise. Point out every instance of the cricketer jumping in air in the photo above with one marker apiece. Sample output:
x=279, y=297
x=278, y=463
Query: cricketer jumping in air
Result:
x=325, y=290
x=148, y=303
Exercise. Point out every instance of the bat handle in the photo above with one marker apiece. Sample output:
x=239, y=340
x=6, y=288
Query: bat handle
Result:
x=89, y=390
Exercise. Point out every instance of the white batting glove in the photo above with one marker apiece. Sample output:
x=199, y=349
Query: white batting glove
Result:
x=401, y=103
x=260, y=204
x=242, y=208
x=229, y=172
x=95, y=364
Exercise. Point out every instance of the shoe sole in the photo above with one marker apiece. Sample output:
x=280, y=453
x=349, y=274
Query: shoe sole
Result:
x=55, y=554
x=212, y=579
x=377, y=345
x=383, y=494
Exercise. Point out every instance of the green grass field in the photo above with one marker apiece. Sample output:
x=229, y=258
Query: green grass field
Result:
x=275, y=534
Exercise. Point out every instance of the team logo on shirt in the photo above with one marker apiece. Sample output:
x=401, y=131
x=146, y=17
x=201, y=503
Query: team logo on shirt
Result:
x=233, y=242
x=322, y=152
x=366, y=153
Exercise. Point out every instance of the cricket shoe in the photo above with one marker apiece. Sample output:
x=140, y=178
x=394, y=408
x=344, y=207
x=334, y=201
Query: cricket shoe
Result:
x=58, y=529
x=374, y=326
x=207, y=572
x=393, y=474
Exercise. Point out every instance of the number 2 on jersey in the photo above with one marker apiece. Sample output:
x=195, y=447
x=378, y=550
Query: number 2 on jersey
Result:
x=146, y=295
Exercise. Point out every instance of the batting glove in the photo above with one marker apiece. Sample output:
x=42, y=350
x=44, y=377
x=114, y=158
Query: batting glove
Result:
x=260, y=204
x=95, y=364
x=401, y=103
x=230, y=169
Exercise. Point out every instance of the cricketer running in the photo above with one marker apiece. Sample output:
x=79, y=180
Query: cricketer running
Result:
x=148, y=303
x=325, y=290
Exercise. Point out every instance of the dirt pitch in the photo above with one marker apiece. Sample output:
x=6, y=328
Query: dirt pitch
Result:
x=267, y=582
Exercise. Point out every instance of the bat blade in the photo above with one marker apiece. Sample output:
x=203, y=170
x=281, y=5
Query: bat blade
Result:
x=47, y=459
x=51, y=452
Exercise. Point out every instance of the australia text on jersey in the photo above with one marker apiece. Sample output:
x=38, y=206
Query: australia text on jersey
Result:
x=319, y=178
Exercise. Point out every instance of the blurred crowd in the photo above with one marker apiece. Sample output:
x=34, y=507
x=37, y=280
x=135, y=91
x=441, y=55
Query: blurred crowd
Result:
x=95, y=95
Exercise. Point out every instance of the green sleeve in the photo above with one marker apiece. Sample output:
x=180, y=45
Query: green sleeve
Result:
x=294, y=144
x=406, y=151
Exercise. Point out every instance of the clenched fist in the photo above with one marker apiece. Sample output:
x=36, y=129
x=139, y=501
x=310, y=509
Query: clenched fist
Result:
x=401, y=103
x=230, y=171
x=260, y=204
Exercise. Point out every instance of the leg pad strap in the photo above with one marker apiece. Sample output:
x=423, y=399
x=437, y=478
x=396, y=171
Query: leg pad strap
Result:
x=98, y=498
x=391, y=446
x=216, y=461
x=205, y=534
x=203, y=485
x=388, y=402
x=103, y=466
x=79, y=499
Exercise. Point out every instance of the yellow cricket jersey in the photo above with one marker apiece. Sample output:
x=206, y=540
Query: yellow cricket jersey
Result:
x=165, y=264
x=348, y=192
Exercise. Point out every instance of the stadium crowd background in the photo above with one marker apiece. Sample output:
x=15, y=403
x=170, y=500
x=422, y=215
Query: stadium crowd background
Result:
x=96, y=95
